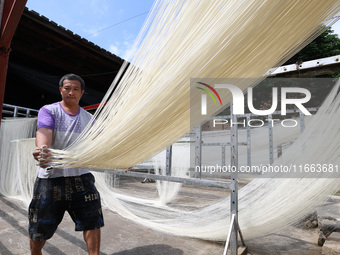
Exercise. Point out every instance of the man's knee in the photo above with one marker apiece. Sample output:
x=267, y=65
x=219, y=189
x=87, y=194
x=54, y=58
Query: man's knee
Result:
x=92, y=239
x=92, y=235
x=36, y=247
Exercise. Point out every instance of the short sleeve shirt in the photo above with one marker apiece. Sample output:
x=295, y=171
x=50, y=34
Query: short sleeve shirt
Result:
x=66, y=128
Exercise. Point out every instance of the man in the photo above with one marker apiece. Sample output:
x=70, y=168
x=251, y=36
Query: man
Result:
x=57, y=190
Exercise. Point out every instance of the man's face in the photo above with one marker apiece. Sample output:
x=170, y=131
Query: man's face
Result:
x=71, y=92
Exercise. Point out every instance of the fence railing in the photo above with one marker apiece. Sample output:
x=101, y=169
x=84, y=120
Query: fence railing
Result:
x=18, y=111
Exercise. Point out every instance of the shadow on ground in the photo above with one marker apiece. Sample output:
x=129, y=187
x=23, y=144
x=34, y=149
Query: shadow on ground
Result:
x=151, y=250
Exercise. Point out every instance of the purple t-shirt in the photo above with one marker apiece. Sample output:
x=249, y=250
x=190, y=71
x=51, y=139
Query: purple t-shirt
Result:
x=66, y=128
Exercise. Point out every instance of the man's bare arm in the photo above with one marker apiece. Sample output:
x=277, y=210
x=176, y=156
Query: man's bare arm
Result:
x=43, y=141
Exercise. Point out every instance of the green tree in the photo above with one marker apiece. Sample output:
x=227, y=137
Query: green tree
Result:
x=325, y=45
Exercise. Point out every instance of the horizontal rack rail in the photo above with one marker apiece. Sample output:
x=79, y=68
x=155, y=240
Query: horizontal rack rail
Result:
x=192, y=181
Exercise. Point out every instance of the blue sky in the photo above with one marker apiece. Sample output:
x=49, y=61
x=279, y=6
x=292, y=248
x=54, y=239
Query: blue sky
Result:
x=111, y=24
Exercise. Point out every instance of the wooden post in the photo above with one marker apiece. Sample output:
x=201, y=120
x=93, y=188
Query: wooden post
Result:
x=11, y=11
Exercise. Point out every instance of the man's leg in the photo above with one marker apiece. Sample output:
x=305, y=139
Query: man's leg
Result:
x=92, y=239
x=36, y=247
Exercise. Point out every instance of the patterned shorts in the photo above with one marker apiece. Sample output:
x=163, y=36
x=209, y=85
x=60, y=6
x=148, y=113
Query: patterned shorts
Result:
x=52, y=197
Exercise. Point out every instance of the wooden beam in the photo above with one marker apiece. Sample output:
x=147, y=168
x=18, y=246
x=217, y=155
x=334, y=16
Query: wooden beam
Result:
x=11, y=13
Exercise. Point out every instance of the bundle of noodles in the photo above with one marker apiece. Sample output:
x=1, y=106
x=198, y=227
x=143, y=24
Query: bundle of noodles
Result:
x=151, y=104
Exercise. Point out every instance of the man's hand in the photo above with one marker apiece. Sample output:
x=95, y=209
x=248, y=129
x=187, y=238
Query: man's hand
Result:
x=42, y=155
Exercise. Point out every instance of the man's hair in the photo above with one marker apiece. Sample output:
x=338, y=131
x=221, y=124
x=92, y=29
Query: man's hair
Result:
x=72, y=77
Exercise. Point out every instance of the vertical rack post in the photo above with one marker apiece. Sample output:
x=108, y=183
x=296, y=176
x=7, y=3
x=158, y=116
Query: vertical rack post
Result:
x=223, y=156
x=248, y=142
x=234, y=185
x=271, y=146
x=302, y=121
x=198, y=151
x=168, y=160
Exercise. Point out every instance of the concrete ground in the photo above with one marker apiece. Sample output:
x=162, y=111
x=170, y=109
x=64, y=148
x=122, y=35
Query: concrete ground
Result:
x=119, y=237
x=123, y=237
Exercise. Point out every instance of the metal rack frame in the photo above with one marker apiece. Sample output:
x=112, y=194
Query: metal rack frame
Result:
x=18, y=111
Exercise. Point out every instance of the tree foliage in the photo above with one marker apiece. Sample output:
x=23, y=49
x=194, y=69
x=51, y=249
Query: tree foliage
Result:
x=325, y=45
